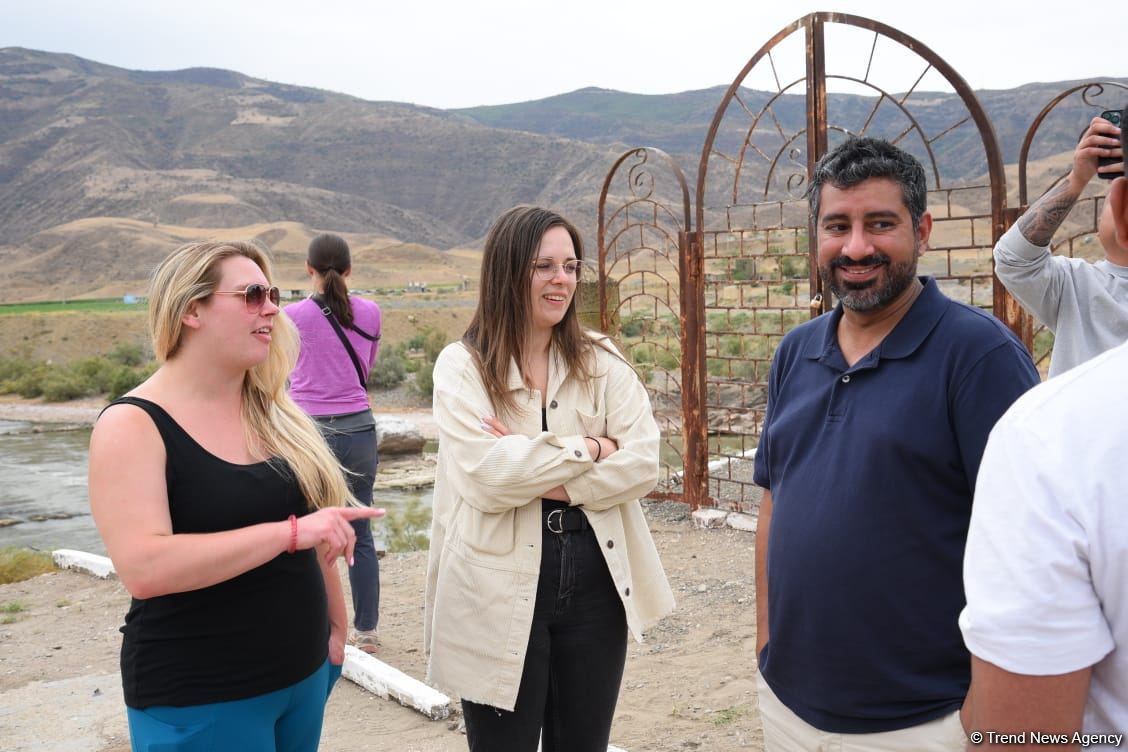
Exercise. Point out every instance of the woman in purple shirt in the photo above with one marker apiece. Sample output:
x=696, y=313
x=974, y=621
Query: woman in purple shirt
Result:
x=329, y=384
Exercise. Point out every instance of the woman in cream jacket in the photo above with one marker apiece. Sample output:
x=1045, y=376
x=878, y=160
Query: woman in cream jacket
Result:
x=541, y=559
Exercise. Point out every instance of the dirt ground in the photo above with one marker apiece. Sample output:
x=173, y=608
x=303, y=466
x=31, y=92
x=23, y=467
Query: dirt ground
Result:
x=689, y=686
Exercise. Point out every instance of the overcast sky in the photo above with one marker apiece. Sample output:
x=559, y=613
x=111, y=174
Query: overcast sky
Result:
x=459, y=54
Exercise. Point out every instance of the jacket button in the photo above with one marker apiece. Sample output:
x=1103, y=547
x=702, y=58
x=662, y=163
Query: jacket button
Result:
x=627, y=592
x=578, y=453
x=610, y=544
x=552, y=404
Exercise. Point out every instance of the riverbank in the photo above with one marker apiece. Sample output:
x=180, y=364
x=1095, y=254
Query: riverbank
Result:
x=77, y=412
x=83, y=412
x=690, y=686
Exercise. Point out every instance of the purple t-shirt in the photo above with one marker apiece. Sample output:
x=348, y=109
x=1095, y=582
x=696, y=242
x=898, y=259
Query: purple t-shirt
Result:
x=324, y=381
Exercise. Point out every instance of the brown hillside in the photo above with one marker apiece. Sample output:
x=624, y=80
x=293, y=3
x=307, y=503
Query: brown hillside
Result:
x=206, y=148
x=112, y=256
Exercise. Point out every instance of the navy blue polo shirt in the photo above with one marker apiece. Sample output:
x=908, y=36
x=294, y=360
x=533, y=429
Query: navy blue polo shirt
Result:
x=872, y=469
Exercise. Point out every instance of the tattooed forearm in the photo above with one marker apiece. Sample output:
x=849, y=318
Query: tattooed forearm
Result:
x=1039, y=223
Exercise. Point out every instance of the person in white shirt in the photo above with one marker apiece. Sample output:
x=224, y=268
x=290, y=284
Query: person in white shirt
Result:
x=1084, y=304
x=1046, y=565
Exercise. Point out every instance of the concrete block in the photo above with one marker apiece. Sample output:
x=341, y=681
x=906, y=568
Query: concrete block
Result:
x=709, y=518
x=389, y=682
x=740, y=521
x=99, y=566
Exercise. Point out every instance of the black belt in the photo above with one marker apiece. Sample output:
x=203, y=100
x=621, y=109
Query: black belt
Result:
x=569, y=520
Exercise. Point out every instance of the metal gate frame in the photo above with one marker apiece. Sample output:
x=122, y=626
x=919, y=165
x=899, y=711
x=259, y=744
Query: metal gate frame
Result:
x=692, y=237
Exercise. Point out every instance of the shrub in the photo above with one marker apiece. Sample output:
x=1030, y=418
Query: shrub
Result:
x=58, y=383
x=126, y=379
x=433, y=344
x=130, y=354
x=633, y=325
x=61, y=386
x=95, y=374
x=406, y=528
x=389, y=370
x=669, y=360
x=18, y=564
x=425, y=378
x=30, y=382
x=793, y=268
x=743, y=269
x=642, y=353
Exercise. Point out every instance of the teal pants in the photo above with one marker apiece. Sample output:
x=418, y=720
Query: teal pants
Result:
x=287, y=720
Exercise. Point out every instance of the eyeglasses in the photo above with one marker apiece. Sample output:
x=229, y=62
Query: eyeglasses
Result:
x=546, y=268
x=255, y=296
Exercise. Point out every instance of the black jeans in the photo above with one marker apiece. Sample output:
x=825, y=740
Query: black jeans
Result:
x=574, y=662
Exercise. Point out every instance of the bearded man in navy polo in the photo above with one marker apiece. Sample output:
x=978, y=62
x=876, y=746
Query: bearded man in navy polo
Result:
x=878, y=413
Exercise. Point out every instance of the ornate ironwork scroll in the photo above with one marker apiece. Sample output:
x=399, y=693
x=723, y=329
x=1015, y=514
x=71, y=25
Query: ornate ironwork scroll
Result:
x=643, y=219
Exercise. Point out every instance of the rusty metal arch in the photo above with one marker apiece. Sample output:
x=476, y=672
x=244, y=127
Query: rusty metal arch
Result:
x=816, y=111
x=1029, y=330
x=751, y=272
x=661, y=235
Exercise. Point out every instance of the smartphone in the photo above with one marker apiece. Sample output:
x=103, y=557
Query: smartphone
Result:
x=1114, y=117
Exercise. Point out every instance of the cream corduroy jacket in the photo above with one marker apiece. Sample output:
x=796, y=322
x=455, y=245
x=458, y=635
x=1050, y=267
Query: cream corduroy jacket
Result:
x=484, y=559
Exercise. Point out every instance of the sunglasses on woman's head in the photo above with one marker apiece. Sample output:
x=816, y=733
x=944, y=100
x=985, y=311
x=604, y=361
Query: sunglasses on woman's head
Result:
x=255, y=296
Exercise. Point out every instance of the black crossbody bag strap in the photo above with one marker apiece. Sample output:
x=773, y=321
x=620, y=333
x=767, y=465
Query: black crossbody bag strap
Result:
x=344, y=340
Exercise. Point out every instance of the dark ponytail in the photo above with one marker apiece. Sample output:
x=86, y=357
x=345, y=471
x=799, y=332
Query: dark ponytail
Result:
x=329, y=256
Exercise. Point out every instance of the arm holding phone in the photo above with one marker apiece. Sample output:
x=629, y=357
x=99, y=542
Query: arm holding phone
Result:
x=1101, y=142
x=1084, y=304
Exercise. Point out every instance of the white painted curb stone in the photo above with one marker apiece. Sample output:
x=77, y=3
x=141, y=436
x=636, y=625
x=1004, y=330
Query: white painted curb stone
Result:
x=389, y=682
x=709, y=518
x=740, y=521
x=99, y=566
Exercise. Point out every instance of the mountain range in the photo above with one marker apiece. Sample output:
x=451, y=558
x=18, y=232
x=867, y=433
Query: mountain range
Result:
x=165, y=154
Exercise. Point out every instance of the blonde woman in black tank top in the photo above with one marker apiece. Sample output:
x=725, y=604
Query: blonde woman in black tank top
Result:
x=224, y=514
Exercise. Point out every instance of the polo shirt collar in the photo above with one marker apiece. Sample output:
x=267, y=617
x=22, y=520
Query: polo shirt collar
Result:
x=906, y=337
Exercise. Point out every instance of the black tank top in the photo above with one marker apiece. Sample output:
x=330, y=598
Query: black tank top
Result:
x=256, y=633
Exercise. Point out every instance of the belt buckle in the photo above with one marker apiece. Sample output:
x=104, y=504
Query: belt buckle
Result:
x=559, y=513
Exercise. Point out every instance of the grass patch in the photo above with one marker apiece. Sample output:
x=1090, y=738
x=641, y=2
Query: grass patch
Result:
x=18, y=564
x=12, y=607
x=105, y=304
x=728, y=715
x=64, y=603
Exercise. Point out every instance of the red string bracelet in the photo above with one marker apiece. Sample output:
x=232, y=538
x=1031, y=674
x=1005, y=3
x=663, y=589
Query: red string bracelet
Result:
x=293, y=535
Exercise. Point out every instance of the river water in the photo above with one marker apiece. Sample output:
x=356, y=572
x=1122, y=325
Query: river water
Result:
x=43, y=486
x=45, y=474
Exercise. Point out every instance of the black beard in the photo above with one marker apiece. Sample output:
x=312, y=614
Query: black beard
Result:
x=866, y=296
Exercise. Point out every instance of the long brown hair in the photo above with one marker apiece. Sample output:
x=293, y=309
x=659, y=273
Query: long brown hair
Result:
x=329, y=256
x=496, y=335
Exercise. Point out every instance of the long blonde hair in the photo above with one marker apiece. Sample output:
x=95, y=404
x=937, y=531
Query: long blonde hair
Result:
x=271, y=419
